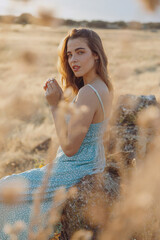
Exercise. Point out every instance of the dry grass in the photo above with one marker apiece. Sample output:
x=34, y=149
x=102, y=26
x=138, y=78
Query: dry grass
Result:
x=28, y=56
x=151, y=5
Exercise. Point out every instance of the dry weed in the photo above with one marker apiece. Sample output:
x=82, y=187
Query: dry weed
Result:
x=151, y=5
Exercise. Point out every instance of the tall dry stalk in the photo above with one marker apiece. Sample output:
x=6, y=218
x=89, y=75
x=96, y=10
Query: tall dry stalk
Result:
x=151, y=5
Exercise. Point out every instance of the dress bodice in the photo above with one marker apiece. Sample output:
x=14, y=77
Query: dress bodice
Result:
x=90, y=157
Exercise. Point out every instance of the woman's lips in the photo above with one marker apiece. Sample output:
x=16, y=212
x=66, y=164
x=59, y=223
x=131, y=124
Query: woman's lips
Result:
x=76, y=68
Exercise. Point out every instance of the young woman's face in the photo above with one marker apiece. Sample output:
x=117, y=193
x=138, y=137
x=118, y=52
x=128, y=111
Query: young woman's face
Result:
x=80, y=58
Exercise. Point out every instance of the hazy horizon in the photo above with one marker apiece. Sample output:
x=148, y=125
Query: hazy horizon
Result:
x=105, y=10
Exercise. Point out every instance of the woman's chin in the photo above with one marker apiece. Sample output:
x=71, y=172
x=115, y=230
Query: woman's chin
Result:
x=78, y=75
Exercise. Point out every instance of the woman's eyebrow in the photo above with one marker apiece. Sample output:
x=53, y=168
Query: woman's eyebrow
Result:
x=76, y=49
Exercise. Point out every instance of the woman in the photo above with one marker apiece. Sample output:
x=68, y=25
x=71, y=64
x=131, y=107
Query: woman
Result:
x=83, y=67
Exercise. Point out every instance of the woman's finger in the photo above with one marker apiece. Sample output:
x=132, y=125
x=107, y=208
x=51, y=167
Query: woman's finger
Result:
x=46, y=92
x=54, y=85
x=47, y=81
x=45, y=86
x=52, y=82
x=50, y=88
x=58, y=86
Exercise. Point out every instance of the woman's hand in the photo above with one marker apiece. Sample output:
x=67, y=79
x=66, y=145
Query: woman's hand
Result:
x=53, y=92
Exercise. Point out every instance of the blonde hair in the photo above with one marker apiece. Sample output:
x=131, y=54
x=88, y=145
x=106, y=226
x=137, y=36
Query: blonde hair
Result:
x=94, y=42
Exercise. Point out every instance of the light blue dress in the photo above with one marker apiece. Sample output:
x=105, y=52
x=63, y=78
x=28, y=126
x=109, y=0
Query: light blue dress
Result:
x=67, y=171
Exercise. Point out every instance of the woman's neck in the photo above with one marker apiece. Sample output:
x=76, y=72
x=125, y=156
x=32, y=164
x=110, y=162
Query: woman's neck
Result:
x=90, y=80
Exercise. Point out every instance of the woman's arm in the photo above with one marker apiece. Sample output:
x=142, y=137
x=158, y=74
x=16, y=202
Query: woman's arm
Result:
x=72, y=134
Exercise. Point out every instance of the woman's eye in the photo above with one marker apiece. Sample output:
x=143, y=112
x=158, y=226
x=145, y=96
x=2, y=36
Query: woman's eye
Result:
x=79, y=53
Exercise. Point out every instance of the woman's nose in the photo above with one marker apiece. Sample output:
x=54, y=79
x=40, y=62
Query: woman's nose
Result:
x=74, y=59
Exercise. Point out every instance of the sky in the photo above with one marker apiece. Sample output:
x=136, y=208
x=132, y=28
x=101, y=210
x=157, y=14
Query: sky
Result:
x=106, y=10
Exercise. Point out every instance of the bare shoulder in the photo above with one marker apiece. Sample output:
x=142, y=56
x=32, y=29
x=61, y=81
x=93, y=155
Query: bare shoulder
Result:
x=102, y=87
x=106, y=98
x=103, y=90
x=86, y=96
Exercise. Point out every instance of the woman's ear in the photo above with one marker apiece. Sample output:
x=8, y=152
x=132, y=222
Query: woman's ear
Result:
x=96, y=57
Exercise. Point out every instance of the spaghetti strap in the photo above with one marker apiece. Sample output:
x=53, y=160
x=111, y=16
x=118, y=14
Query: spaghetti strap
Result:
x=74, y=99
x=98, y=97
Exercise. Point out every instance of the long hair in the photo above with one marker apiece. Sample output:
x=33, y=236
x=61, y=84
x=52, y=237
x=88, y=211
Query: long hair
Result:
x=68, y=79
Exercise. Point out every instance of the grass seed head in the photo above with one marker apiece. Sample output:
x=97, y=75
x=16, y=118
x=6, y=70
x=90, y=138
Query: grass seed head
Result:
x=82, y=235
x=11, y=192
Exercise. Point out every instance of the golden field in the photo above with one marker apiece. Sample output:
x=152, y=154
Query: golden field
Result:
x=28, y=57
